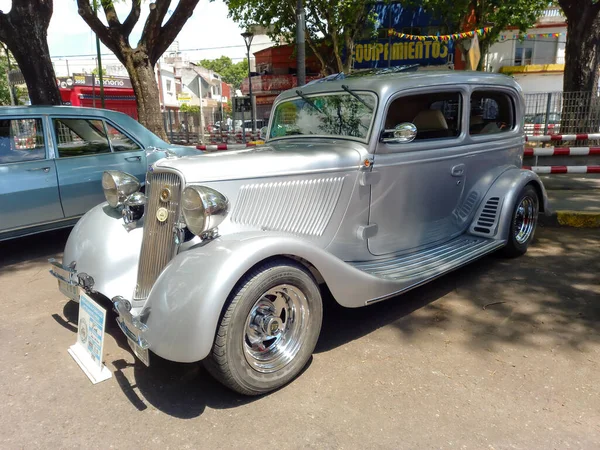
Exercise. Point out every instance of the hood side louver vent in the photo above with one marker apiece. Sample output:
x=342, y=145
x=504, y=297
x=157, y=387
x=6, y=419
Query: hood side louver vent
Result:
x=299, y=207
x=486, y=222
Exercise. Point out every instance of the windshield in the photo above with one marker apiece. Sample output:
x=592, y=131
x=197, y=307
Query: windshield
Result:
x=344, y=114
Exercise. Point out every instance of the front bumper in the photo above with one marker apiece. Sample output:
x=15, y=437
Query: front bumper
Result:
x=69, y=283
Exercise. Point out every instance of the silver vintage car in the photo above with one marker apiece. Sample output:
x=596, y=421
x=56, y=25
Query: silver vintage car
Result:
x=370, y=185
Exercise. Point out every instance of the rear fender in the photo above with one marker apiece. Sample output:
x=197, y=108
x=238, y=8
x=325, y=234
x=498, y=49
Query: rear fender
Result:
x=507, y=188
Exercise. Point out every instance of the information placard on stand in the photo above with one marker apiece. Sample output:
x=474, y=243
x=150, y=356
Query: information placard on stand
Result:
x=88, y=351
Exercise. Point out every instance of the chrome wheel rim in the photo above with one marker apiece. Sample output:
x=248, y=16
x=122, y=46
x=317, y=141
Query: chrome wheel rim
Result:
x=525, y=219
x=275, y=328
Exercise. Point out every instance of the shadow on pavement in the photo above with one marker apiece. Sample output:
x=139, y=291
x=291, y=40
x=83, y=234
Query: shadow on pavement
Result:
x=30, y=251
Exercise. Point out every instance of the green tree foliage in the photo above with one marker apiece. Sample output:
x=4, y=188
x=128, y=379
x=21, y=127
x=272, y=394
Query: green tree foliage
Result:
x=231, y=73
x=497, y=14
x=95, y=71
x=4, y=92
x=192, y=109
x=335, y=24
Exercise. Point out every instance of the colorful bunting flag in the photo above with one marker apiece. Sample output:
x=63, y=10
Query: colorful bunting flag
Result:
x=444, y=38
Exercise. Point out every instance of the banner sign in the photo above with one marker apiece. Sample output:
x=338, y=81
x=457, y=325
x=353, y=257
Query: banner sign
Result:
x=80, y=79
x=376, y=55
x=89, y=348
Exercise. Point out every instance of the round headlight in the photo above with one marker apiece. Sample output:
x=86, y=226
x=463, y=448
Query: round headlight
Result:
x=118, y=186
x=203, y=208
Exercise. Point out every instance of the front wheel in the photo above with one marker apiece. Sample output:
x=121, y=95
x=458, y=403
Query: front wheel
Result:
x=269, y=329
x=523, y=223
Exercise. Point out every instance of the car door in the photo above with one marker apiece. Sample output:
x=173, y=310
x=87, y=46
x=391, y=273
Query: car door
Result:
x=420, y=183
x=29, y=192
x=84, y=152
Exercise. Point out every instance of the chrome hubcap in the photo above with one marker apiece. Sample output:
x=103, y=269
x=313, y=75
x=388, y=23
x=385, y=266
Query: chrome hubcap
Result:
x=275, y=328
x=525, y=219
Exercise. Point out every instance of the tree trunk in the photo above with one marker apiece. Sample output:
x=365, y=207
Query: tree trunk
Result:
x=582, y=61
x=26, y=38
x=146, y=91
x=582, y=52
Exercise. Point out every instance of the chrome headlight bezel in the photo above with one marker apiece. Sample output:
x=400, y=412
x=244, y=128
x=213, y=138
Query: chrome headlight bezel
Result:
x=117, y=186
x=203, y=208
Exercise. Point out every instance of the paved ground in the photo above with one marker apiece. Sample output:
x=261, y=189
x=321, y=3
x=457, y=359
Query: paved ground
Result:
x=501, y=354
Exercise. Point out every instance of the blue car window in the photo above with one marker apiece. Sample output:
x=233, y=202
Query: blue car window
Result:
x=80, y=137
x=21, y=140
x=120, y=142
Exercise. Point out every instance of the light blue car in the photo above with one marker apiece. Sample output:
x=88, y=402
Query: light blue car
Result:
x=52, y=159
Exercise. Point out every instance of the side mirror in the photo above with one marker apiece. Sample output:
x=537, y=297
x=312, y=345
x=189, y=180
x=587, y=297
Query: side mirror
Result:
x=263, y=133
x=403, y=133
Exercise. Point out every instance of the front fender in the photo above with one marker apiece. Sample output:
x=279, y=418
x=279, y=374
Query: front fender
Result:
x=102, y=246
x=507, y=187
x=185, y=304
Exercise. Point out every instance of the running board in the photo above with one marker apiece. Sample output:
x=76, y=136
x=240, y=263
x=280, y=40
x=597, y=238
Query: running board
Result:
x=413, y=269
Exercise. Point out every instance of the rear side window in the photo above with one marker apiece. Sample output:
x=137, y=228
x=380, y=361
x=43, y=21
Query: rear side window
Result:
x=21, y=140
x=436, y=115
x=119, y=141
x=491, y=113
x=80, y=137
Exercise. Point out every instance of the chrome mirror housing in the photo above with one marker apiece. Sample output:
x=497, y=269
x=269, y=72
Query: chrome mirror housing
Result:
x=402, y=133
x=263, y=133
x=133, y=207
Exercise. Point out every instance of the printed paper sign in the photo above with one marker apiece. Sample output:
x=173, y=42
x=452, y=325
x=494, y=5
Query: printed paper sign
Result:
x=89, y=348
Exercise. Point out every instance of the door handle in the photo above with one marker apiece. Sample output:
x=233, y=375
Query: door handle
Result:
x=458, y=170
x=133, y=158
x=37, y=169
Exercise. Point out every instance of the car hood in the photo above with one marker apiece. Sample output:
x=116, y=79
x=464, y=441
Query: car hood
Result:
x=279, y=158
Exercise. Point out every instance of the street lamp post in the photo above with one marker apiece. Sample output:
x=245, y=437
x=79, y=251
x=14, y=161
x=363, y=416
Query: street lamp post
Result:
x=248, y=36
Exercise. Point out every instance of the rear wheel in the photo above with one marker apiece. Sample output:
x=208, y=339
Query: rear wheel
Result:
x=523, y=223
x=269, y=329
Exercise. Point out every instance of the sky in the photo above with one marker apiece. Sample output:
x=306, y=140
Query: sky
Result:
x=71, y=40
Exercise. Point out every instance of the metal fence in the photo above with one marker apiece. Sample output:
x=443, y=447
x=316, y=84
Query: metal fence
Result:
x=562, y=113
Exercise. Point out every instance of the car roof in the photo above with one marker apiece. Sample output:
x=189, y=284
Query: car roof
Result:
x=384, y=84
x=55, y=109
x=132, y=126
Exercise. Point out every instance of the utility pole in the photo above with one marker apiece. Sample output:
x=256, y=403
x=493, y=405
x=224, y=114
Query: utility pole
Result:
x=300, y=45
x=100, y=75
x=201, y=133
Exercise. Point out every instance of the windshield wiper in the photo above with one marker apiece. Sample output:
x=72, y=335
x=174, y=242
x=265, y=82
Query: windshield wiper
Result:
x=309, y=101
x=357, y=97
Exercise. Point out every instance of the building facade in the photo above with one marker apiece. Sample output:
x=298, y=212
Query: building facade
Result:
x=537, y=58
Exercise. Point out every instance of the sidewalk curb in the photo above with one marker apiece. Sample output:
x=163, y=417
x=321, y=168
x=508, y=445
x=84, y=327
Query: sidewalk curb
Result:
x=573, y=219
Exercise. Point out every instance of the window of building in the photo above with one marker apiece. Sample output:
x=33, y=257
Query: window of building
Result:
x=119, y=141
x=436, y=115
x=169, y=86
x=21, y=140
x=80, y=137
x=524, y=52
x=491, y=113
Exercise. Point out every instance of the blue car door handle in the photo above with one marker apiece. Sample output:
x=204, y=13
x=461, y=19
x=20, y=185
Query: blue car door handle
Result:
x=458, y=170
x=45, y=169
x=133, y=158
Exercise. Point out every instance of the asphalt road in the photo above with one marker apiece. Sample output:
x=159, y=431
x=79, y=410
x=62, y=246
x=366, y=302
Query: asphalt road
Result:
x=500, y=354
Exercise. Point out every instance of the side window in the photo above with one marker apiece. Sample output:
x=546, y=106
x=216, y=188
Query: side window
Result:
x=80, y=137
x=120, y=142
x=436, y=115
x=21, y=140
x=491, y=113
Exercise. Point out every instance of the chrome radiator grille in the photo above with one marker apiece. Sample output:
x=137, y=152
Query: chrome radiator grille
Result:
x=158, y=244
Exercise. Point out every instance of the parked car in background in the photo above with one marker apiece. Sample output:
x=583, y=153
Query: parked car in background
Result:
x=52, y=159
x=368, y=185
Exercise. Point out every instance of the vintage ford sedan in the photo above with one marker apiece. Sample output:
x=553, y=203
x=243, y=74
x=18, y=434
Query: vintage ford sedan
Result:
x=52, y=159
x=369, y=185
